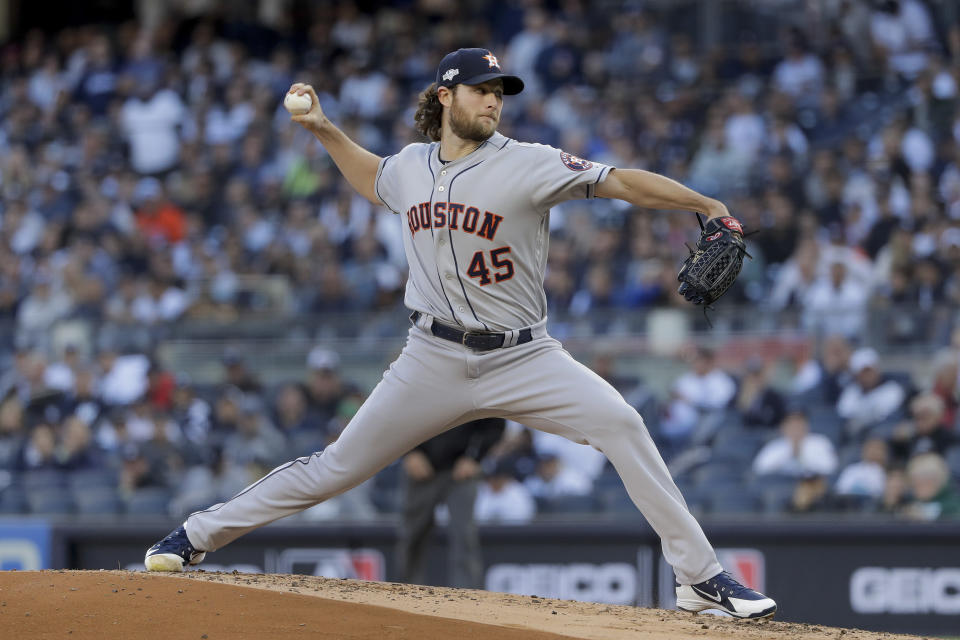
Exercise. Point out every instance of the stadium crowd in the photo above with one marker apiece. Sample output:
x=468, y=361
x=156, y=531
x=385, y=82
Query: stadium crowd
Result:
x=148, y=174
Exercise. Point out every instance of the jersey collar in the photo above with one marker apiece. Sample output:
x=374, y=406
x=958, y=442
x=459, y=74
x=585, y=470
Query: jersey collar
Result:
x=492, y=144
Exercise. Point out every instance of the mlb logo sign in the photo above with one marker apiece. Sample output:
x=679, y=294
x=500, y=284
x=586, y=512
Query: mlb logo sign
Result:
x=746, y=565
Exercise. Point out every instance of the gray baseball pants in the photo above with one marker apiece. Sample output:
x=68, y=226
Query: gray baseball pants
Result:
x=435, y=385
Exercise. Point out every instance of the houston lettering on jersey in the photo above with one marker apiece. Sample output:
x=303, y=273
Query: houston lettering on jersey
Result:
x=455, y=216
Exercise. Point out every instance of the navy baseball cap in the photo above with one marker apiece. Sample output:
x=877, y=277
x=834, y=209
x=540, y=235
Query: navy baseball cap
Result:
x=474, y=66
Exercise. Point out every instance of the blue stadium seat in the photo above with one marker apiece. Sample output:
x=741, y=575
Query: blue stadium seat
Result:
x=615, y=500
x=848, y=454
x=91, y=479
x=733, y=502
x=953, y=460
x=712, y=423
x=13, y=501
x=825, y=420
x=738, y=446
x=719, y=472
x=569, y=505
x=775, y=493
x=608, y=477
x=43, y=479
x=149, y=502
x=49, y=501
x=97, y=501
x=883, y=430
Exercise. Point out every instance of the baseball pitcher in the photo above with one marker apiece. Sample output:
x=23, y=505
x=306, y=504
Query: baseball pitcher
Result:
x=475, y=207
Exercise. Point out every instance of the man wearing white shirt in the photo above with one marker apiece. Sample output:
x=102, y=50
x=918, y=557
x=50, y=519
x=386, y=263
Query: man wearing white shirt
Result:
x=797, y=452
x=150, y=122
x=502, y=499
x=837, y=303
x=869, y=398
x=868, y=476
x=706, y=386
x=554, y=479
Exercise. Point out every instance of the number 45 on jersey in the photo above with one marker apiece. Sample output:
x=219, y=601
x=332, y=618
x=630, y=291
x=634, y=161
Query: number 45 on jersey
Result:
x=479, y=271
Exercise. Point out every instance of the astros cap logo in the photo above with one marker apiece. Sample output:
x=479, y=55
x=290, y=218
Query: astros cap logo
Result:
x=492, y=59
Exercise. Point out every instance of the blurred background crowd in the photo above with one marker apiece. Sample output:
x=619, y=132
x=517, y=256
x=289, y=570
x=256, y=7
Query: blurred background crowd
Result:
x=165, y=231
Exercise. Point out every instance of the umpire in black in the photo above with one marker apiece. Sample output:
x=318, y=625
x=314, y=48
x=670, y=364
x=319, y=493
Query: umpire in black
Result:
x=446, y=470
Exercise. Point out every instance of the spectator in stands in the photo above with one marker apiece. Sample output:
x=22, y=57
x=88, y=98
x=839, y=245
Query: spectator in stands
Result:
x=215, y=480
x=576, y=455
x=60, y=375
x=160, y=387
x=138, y=471
x=291, y=415
x=934, y=497
x=796, y=277
x=97, y=83
x=119, y=306
x=192, y=413
x=76, y=449
x=158, y=219
x=324, y=386
x=255, y=440
x=702, y=390
x=810, y=494
x=13, y=434
x=159, y=301
x=926, y=430
x=946, y=378
x=800, y=74
x=237, y=373
x=123, y=377
x=500, y=498
x=553, y=479
x=836, y=303
x=40, y=450
x=797, y=452
x=150, y=120
x=896, y=491
x=901, y=33
x=83, y=401
x=868, y=476
x=871, y=397
x=834, y=365
x=42, y=308
x=757, y=401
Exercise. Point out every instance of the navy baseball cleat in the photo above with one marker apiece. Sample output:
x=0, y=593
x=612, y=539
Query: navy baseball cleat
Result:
x=726, y=594
x=172, y=553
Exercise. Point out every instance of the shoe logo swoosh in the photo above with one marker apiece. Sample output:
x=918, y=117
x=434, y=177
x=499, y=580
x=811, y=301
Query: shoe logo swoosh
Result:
x=715, y=598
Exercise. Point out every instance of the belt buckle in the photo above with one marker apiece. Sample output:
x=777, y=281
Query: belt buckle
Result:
x=463, y=339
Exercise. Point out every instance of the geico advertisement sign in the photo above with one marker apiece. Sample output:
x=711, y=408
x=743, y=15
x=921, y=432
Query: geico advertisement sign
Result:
x=905, y=590
x=610, y=583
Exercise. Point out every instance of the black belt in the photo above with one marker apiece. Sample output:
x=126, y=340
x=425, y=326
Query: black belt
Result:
x=476, y=340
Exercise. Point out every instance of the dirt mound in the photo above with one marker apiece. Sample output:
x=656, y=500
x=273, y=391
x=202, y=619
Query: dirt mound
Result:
x=198, y=605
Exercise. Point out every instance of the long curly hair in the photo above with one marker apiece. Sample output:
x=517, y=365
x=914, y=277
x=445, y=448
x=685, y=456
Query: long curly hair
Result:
x=429, y=113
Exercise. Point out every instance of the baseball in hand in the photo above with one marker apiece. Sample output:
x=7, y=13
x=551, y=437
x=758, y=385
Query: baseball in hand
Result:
x=297, y=104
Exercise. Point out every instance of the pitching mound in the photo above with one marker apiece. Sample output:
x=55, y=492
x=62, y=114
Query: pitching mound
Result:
x=197, y=605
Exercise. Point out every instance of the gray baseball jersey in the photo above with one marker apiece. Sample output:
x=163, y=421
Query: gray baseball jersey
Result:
x=476, y=230
x=476, y=237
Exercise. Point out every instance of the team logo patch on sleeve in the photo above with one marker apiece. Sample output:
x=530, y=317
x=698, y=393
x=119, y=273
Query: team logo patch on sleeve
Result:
x=574, y=163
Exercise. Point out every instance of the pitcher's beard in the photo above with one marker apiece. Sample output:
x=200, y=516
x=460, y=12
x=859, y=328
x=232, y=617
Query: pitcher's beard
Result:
x=465, y=129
